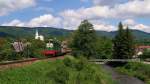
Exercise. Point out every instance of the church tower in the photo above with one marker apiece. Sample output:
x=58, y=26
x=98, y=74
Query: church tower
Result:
x=37, y=33
x=37, y=36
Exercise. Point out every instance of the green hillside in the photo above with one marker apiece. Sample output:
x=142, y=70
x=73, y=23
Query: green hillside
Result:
x=9, y=31
x=6, y=31
x=137, y=34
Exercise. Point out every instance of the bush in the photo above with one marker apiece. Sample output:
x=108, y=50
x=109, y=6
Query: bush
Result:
x=145, y=55
x=69, y=62
x=81, y=63
x=133, y=68
x=77, y=64
x=60, y=75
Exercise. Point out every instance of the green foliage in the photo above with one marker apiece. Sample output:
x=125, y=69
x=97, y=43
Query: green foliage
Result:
x=45, y=72
x=7, y=52
x=123, y=47
x=146, y=54
x=60, y=75
x=130, y=43
x=69, y=62
x=143, y=42
x=36, y=48
x=38, y=44
x=80, y=65
x=139, y=70
x=76, y=64
x=84, y=39
x=103, y=48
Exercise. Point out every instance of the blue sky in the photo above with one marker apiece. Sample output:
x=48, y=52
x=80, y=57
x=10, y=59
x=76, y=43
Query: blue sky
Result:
x=67, y=14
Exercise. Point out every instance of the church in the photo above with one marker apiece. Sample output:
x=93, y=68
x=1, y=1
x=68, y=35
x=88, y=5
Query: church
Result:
x=39, y=37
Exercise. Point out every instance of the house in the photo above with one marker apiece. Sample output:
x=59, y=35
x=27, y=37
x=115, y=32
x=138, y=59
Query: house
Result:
x=140, y=49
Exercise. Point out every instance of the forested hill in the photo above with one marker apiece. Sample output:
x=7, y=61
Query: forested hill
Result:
x=9, y=31
x=137, y=34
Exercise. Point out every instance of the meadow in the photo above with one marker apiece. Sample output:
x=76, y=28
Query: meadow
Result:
x=67, y=71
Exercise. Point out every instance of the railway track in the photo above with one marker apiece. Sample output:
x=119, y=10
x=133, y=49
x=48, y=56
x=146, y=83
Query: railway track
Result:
x=20, y=63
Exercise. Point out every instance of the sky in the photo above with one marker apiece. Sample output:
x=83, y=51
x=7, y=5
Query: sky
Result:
x=68, y=14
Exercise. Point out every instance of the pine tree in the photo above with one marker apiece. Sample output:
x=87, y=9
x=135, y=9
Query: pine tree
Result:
x=130, y=47
x=119, y=46
x=123, y=47
x=84, y=39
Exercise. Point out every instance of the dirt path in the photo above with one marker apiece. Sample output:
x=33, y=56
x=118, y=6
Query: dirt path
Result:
x=122, y=79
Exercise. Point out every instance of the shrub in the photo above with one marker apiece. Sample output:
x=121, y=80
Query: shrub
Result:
x=133, y=68
x=69, y=62
x=60, y=75
x=81, y=63
x=145, y=55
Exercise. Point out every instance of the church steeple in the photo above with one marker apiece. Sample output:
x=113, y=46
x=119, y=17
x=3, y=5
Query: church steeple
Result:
x=37, y=33
x=37, y=36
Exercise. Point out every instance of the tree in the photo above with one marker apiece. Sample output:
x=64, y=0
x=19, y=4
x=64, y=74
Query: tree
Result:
x=123, y=47
x=118, y=47
x=36, y=48
x=84, y=39
x=104, y=48
x=7, y=52
x=130, y=47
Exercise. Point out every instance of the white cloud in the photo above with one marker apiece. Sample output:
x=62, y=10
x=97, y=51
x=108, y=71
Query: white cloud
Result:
x=135, y=25
x=104, y=27
x=104, y=10
x=7, y=6
x=89, y=13
x=130, y=9
x=142, y=27
x=129, y=22
x=134, y=8
x=14, y=23
x=70, y=19
x=49, y=20
x=46, y=20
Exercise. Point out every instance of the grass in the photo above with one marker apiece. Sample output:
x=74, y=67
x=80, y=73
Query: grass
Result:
x=67, y=71
x=136, y=69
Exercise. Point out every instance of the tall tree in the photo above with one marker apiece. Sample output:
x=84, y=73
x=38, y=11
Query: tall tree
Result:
x=84, y=39
x=130, y=47
x=119, y=46
x=123, y=47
